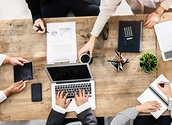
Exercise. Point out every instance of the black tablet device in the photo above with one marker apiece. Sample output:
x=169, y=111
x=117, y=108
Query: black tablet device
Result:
x=24, y=72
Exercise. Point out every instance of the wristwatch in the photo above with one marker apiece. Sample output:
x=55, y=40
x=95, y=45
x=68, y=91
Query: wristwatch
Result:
x=170, y=99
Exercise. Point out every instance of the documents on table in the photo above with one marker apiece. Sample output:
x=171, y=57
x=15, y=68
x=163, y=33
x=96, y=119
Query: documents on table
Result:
x=61, y=42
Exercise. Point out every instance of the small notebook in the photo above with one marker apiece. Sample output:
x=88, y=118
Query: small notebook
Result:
x=130, y=36
x=153, y=93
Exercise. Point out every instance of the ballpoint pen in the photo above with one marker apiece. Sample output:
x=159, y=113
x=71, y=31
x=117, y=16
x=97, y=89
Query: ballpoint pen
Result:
x=40, y=29
x=163, y=83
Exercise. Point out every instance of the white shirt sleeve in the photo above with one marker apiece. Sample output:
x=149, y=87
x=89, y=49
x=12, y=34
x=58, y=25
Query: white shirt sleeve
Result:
x=59, y=109
x=2, y=58
x=166, y=4
x=106, y=10
x=2, y=96
x=82, y=107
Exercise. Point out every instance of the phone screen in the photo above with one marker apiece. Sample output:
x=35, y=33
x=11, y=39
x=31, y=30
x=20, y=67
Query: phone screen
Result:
x=36, y=91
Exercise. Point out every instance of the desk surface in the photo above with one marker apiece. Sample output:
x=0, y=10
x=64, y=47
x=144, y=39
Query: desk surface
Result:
x=115, y=91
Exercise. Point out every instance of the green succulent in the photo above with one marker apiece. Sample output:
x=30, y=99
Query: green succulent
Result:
x=148, y=62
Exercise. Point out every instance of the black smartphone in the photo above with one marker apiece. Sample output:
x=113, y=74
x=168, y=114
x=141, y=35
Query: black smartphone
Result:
x=36, y=91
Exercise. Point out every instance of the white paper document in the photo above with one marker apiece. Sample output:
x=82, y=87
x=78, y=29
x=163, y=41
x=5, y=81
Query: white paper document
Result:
x=153, y=93
x=61, y=42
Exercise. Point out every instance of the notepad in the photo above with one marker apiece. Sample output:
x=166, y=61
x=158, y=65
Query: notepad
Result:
x=153, y=93
x=130, y=36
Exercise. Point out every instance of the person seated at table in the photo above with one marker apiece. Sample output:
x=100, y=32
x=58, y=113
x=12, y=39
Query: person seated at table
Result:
x=151, y=106
x=60, y=8
x=84, y=111
x=15, y=87
x=108, y=8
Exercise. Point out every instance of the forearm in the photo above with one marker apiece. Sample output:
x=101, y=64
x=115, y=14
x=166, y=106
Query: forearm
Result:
x=35, y=8
x=106, y=11
x=123, y=117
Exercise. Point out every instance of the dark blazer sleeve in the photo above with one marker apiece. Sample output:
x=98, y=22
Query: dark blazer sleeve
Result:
x=35, y=8
x=55, y=118
x=87, y=117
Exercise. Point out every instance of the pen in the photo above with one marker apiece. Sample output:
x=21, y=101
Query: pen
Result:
x=113, y=61
x=163, y=83
x=39, y=29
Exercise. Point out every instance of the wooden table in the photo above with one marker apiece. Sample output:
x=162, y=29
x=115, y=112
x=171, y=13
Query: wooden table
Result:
x=115, y=91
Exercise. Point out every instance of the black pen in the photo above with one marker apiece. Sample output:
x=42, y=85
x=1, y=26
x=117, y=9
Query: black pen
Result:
x=113, y=61
x=40, y=29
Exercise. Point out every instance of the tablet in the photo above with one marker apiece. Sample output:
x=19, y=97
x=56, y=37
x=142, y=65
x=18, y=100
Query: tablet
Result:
x=23, y=72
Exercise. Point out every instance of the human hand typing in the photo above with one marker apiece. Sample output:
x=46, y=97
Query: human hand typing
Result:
x=61, y=99
x=81, y=97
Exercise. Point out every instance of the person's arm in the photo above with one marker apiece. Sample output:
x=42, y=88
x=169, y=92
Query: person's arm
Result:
x=131, y=113
x=13, y=88
x=34, y=6
x=14, y=60
x=154, y=17
x=84, y=112
x=106, y=10
x=57, y=114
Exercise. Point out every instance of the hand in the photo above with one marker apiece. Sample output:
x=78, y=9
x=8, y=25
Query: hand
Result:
x=15, y=60
x=81, y=97
x=39, y=23
x=150, y=106
x=88, y=47
x=61, y=99
x=166, y=89
x=15, y=88
x=151, y=20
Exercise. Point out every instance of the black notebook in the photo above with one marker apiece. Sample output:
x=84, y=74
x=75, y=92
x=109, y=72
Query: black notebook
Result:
x=130, y=36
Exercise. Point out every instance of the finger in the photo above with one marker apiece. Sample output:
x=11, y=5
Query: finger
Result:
x=58, y=94
x=61, y=94
x=65, y=96
x=83, y=92
x=23, y=86
x=76, y=95
x=68, y=102
x=23, y=60
x=80, y=93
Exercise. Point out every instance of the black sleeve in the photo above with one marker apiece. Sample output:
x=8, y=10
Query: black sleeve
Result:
x=55, y=118
x=35, y=8
x=87, y=117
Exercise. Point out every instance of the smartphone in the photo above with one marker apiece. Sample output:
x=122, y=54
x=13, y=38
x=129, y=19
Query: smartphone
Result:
x=36, y=91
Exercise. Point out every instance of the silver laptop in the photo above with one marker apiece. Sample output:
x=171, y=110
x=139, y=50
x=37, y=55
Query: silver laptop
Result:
x=164, y=36
x=71, y=77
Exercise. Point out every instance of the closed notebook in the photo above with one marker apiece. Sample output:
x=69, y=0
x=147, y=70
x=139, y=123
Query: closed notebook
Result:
x=130, y=36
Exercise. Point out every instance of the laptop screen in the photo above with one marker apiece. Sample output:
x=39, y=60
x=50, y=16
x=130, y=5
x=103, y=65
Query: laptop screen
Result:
x=69, y=72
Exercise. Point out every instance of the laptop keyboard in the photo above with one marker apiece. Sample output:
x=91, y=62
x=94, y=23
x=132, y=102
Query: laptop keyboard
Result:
x=168, y=54
x=70, y=88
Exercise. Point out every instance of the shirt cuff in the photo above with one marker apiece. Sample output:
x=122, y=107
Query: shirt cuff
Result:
x=2, y=58
x=82, y=107
x=2, y=96
x=59, y=109
x=170, y=105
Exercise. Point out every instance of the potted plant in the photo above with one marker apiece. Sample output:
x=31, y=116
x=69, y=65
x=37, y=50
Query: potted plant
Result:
x=148, y=62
